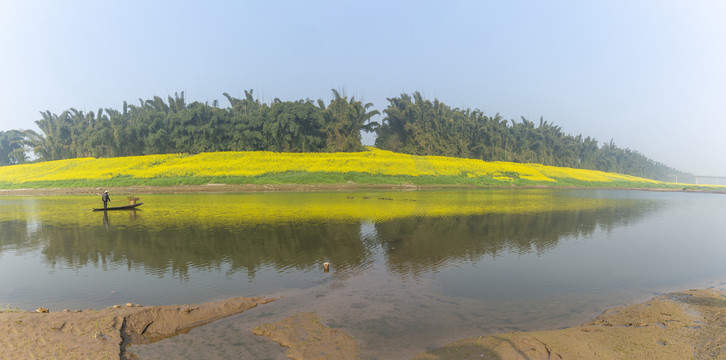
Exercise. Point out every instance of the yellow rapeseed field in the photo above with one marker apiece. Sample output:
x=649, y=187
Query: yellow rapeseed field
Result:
x=245, y=164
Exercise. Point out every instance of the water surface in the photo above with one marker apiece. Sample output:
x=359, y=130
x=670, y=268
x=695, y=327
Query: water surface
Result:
x=409, y=270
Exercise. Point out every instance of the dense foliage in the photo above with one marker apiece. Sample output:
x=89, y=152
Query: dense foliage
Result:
x=414, y=125
x=158, y=127
x=411, y=124
x=12, y=147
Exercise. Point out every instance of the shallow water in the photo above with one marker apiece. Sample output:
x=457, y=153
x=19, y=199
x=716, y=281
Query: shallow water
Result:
x=409, y=270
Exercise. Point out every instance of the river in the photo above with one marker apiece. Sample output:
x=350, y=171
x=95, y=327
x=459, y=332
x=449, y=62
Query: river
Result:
x=409, y=270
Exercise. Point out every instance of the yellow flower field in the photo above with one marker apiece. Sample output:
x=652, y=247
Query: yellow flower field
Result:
x=247, y=164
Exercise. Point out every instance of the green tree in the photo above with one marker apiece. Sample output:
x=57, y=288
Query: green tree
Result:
x=344, y=121
x=12, y=147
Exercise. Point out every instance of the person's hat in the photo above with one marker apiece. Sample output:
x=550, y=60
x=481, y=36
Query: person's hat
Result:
x=106, y=191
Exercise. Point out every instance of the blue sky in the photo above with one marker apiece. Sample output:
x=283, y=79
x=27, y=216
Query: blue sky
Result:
x=651, y=75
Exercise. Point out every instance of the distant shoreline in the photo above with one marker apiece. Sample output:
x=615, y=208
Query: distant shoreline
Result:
x=227, y=188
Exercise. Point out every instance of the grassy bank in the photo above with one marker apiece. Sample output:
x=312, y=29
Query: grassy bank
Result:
x=373, y=166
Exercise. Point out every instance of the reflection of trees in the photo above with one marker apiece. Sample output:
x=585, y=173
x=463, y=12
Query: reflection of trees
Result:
x=288, y=246
x=411, y=245
x=16, y=235
x=422, y=244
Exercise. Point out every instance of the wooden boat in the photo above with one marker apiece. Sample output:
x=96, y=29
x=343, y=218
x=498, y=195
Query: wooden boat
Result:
x=124, y=207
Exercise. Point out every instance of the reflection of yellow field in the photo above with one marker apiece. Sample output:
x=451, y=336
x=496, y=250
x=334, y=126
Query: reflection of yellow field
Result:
x=230, y=210
x=219, y=164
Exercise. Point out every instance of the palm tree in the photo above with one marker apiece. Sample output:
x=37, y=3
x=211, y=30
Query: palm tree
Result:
x=345, y=120
x=12, y=147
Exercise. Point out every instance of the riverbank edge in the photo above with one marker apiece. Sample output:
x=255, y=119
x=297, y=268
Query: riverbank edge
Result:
x=226, y=188
x=684, y=324
x=687, y=324
x=105, y=333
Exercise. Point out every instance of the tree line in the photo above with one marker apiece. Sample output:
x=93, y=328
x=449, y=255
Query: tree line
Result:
x=419, y=126
x=410, y=124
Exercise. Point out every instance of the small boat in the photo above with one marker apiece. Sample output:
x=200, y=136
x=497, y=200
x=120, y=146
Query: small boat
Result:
x=125, y=207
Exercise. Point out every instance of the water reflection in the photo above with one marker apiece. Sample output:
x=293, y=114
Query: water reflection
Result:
x=426, y=244
x=107, y=223
x=160, y=244
x=408, y=269
x=286, y=247
x=231, y=210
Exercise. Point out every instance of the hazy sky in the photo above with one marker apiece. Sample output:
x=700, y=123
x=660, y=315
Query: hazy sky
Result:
x=651, y=75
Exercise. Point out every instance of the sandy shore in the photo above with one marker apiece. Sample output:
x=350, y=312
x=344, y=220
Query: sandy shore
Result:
x=684, y=325
x=105, y=334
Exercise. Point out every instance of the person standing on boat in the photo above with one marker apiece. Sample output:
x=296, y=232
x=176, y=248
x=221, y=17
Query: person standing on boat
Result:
x=105, y=198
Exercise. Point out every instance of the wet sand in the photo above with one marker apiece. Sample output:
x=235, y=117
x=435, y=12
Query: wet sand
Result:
x=306, y=338
x=684, y=325
x=105, y=334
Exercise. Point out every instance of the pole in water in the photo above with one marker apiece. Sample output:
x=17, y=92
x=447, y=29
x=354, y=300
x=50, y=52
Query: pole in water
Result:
x=326, y=267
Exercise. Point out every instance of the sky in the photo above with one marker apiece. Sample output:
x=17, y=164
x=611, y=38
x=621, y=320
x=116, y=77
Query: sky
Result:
x=650, y=75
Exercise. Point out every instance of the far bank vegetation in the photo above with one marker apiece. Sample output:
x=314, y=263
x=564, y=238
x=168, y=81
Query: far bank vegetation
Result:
x=410, y=124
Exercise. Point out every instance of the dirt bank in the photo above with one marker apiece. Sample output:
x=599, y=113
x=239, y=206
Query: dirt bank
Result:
x=684, y=325
x=222, y=188
x=105, y=334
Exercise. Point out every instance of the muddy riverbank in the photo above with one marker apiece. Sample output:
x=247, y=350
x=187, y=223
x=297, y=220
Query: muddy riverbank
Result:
x=105, y=334
x=684, y=325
